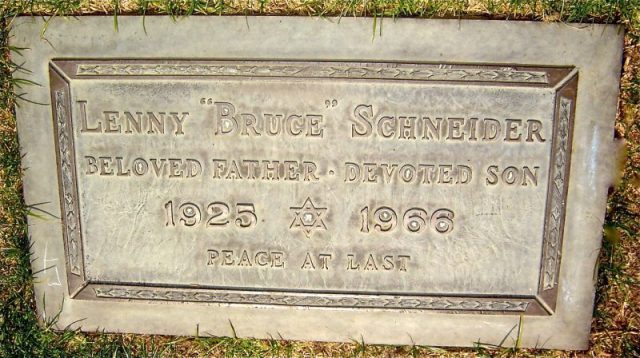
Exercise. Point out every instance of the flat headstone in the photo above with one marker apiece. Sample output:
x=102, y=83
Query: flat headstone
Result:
x=441, y=183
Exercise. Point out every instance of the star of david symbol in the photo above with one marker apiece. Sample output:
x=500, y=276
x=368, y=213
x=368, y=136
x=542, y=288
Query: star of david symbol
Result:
x=308, y=218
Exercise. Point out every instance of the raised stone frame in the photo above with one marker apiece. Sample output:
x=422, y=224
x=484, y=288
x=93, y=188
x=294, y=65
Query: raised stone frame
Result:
x=564, y=80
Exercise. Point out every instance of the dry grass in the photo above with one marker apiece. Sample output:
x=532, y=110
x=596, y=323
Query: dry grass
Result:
x=616, y=326
x=619, y=11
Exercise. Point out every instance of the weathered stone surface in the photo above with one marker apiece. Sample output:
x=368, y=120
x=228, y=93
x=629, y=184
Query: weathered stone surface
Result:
x=302, y=180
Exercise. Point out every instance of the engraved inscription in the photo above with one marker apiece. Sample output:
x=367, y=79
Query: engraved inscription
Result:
x=136, y=122
x=369, y=123
x=214, y=214
x=130, y=167
x=266, y=258
x=227, y=122
x=255, y=169
x=371, y=262
x=321, y=263
x=423, y=173
x=512, y=176
x=415, y=220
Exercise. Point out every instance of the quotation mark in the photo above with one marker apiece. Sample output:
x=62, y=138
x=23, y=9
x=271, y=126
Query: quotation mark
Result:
x=331, y=103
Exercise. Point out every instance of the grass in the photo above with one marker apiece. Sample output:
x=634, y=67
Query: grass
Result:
x=616, y=324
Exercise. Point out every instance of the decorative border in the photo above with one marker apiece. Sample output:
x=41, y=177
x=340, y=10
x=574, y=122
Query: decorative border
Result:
x=559, y=174
x=541, y=304
x=316, y=300
x=413, y=72
x=69, y=195
x=558, y=180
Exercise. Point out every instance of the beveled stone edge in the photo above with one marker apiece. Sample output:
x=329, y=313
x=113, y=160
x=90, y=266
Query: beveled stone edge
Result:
x=555, y=212
x=315, y=70
x=67, y=178
x=451, y=304
x=503, y=74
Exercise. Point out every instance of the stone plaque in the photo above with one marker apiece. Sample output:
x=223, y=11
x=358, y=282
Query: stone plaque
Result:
x=441, y=184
